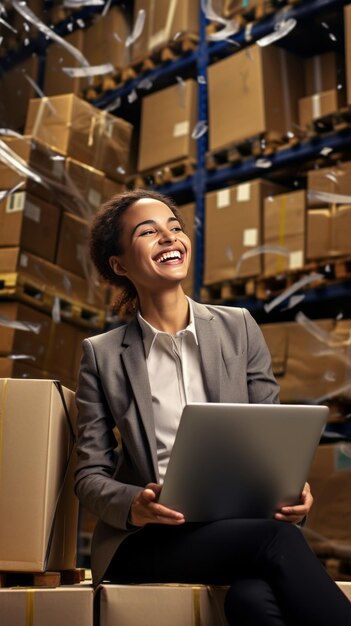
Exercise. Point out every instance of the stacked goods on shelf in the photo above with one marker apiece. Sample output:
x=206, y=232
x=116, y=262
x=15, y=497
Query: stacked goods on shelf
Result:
x=38, y=508
x=324, y=87
x=233, y=229
x=311, y=360
x=168, y=118
x=44, y=260
x=162, y=23
x=252, y=93
x=99, y=45
x=328, y=524
x=328, y=222
x=188, y=214
x=284, y=226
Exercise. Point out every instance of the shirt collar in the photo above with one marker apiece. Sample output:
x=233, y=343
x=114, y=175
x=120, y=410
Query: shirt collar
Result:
x=150, y=332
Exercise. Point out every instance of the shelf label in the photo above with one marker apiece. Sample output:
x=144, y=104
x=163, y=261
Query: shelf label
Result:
x=243, y=192
x=181, y=128
x=23, y=260
x=223, y=198
x=32, y=212
x=94, y=197
x=250, y=237
x=295, y=259
x=15, y=202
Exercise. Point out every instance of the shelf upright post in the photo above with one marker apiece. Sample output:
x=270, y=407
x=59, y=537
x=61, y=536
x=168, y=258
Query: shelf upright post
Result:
x=199, y=182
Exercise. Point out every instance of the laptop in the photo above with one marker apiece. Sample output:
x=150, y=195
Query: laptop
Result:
x=240, y=460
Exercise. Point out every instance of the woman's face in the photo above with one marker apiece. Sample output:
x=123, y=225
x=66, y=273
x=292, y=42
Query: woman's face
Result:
x=156, y=251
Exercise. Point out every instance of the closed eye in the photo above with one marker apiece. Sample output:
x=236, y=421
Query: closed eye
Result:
x=150, y=231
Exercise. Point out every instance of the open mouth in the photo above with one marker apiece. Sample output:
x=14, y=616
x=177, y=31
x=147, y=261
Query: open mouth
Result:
x=171, y=256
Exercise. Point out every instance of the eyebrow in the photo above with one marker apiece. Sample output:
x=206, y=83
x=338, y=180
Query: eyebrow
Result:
x=153, y=222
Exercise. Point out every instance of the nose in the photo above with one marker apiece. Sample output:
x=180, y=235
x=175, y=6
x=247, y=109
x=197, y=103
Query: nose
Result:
x=167, y=235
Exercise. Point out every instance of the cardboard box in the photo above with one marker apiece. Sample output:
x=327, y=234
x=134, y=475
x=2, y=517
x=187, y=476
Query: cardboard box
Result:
x=320, y=104
x=23, y=369
x=347, y=27
x=345, y=588
x=111, y=188
x=284, y=226
x=162, y=22
x=188, y=214
x=100, y=45
x=31, y=223
x=335, y=179
x=168, y=118
x=328, y=524
x=40, y=607
x=73, y=251
x=16, y=93
x=52, y=279
x=318, y=236
x=32, y=343
x=81, y=131
x=323, y=72
x=311, y=365
x=56, y=82
x=174, y=605
x=252, y=92
x=39, y=511
x=328, y=231
x=233, y=227
x=84, y=189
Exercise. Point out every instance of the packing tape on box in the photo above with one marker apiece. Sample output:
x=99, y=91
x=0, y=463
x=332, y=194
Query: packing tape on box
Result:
x=163, y=35
x=30, y=607
x=282, y=230
x=284, y=76
x=317, y=73
x=196, y=598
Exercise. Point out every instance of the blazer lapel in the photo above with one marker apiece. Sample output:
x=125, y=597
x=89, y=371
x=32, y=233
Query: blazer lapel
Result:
x=134, y=360
x=210, y=350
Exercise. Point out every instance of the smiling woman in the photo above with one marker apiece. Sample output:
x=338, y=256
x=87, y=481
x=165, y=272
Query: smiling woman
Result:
x=137, y=378
x=116, y=242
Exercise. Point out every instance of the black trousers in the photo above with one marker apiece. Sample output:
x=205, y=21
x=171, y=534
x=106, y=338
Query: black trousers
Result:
x=275, y=579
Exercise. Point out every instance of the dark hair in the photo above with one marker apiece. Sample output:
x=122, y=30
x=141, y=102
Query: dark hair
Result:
x=106, y=241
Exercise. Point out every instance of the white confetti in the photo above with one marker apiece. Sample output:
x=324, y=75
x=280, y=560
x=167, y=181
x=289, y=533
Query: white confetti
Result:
x=31, y=327
x=332, y=340
x=231, y=28
x=16, y=163
x=199, y=130
x=115, y=104
x=80, y=23
x=280, y=250
x=8, y=132
x=137, y=29
x=201, y=80
x=40, y=93
x=117, y=38
x=332, y=37
x=74, y=4
x=8, y=192
x=120, y=169
x=7, y=25
x=229, y=253
x=21, y=357
x=305, y=280
x=281, y=29
x=56, y=310
x=132, y=96
x=326, y=150
x=263, y=163
x=207, y=8
x=328, y=198
x=145, y=83
x=92, y=70
x=181, y=91
x=106, y=8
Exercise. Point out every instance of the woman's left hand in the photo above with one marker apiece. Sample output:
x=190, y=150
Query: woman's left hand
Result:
x=298, y=512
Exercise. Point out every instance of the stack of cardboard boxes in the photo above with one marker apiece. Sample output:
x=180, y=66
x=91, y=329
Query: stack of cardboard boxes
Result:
x=71, y=159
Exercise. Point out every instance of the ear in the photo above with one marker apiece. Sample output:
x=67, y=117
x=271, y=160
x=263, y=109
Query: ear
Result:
x=116, y=266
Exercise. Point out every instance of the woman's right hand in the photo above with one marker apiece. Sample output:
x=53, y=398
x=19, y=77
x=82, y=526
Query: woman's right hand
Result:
x=145, y=509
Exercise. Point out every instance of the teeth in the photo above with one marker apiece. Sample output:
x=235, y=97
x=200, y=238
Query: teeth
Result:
x=174, y=254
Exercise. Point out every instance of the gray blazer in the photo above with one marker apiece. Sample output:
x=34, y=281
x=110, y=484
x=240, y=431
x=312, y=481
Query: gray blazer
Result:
x=113, y=396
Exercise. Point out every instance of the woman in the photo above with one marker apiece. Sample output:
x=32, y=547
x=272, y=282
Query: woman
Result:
x=136, y=379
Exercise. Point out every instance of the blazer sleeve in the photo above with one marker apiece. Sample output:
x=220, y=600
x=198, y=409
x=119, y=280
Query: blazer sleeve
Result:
x=97, y=450
x=262, y=386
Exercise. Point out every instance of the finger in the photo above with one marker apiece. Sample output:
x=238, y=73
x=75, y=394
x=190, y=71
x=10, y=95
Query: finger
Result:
x=159, y=510
x=300, y=510
x=156, y=488
x=148, y=495
x=292, y=519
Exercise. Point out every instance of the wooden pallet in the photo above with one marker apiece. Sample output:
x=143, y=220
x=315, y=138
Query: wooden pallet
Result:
x=168, y=173
x=247, y=15
x=262, y=146
x=42, y=579
x=182, y=44
x=228, y=290
x=43, y=297
x=172, y=50
x=331, y=123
